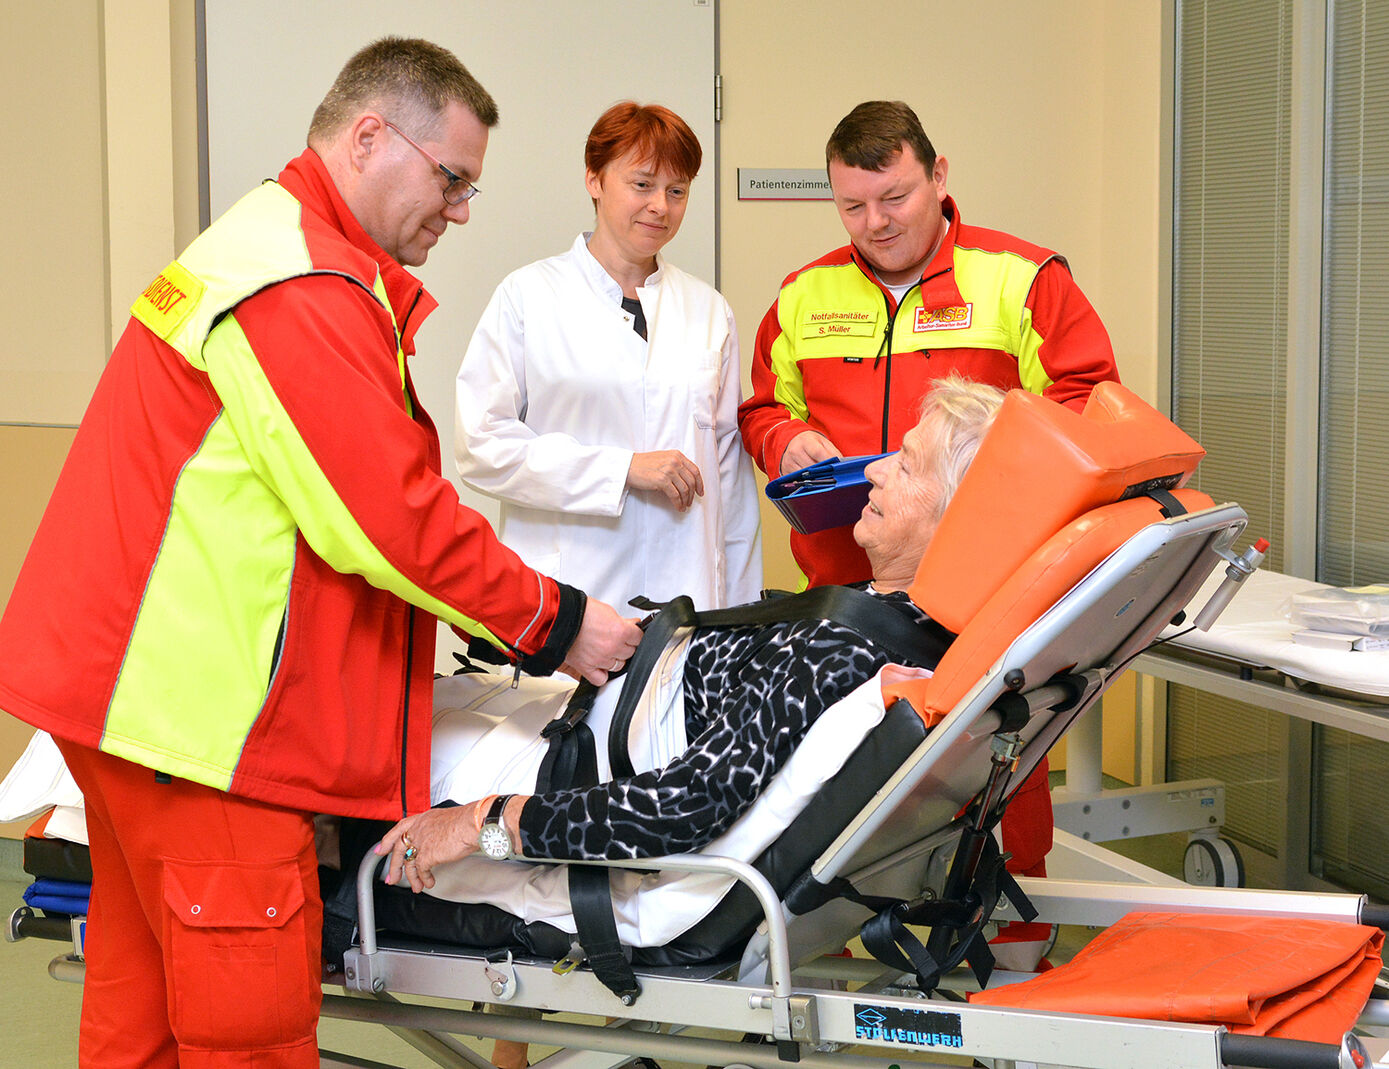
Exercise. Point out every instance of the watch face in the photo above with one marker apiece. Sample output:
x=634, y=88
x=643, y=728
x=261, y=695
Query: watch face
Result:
x=493, y=841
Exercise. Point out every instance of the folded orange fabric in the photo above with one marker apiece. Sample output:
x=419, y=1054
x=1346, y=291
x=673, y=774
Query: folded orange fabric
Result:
x=36, y=829
x=1298, y=979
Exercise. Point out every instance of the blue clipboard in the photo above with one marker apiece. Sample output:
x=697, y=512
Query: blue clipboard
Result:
x=829, y=494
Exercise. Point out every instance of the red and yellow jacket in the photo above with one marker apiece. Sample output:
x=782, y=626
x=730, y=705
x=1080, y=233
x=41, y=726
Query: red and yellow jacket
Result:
x=836, y=354
x=237, y=577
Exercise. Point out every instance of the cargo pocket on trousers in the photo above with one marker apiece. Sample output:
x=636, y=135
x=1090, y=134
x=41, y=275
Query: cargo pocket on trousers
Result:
x=235, y=954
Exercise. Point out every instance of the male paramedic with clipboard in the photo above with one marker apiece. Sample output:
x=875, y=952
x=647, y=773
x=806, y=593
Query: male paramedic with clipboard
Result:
x=847, y=351
x=845, y=354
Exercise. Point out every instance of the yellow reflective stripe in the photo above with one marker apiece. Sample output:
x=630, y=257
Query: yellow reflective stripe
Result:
x=292, y=473
x=789, y=391
x=267, y=246
x=214, y=665
x=1030, y=370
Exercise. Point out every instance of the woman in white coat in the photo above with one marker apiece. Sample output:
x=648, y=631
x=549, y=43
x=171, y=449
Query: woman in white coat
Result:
x=598, y=397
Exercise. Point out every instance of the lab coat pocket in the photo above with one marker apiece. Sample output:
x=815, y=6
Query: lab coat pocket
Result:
x=236, y=942
x=704, y=387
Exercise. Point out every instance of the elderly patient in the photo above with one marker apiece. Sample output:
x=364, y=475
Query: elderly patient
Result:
x=750, y=693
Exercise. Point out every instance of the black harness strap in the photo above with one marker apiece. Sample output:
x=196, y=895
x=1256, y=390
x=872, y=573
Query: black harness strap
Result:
x=1170, y=506
x=590, y=889
x=590, y=897
x=571, y=760
x=675, y=614
x=882, y=624
x=957, y=925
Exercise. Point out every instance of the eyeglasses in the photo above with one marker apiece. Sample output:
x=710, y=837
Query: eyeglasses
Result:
x=459, y=188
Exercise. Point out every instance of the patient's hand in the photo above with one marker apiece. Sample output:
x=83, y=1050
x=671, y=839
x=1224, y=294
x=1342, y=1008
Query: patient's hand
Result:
x=438, y=836
x=603, y=644
x=669, y=472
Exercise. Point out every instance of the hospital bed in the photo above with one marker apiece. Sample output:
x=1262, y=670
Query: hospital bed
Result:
x=1249, y=655
x=1075, y=573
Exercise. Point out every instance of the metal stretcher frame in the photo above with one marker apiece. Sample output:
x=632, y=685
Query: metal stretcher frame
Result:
x=1158, y=568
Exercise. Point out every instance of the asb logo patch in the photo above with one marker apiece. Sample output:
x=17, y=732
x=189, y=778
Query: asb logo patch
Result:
x=956, y=318
x=829, y=323
x=168, y=300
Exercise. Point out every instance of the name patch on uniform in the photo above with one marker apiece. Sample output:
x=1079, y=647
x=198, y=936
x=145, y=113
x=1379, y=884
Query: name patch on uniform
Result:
x=954, y=318
x=827, y=323
x=168, y=300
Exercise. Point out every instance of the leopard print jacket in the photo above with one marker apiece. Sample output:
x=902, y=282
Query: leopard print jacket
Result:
x=751, y=694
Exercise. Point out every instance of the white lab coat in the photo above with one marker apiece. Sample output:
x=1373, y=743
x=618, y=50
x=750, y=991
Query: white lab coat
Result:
x=555, y=394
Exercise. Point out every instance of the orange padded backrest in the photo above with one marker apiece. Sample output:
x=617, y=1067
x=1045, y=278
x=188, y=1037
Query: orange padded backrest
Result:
x=1063, y=561
x=1039, y=467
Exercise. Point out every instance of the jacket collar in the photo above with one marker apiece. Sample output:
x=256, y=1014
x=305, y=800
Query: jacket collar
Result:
x=307, y=179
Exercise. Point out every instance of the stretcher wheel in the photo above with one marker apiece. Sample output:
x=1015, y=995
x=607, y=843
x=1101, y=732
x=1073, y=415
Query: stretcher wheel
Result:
x=1213, y=863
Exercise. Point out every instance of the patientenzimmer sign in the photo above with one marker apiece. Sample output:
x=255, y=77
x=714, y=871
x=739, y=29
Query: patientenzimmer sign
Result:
x=786, y=183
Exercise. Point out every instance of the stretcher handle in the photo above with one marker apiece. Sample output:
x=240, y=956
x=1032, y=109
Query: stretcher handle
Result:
x=1271, y=1052
x=366, y=904
x=778, y=942
x=26, y=924
x=1376, y=916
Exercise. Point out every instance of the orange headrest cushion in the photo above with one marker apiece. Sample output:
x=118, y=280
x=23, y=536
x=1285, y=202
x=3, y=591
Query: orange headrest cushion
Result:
x=1041, y=466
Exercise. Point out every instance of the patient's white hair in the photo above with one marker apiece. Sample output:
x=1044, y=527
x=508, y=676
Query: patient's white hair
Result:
x=956, y=413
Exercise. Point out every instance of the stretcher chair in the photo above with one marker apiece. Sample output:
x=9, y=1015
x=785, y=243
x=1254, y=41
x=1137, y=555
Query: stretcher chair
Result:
x=1068, y=548
x=1056, y=568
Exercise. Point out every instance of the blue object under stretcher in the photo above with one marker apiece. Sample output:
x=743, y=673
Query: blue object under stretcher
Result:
x=828, y=494
x=58, y=896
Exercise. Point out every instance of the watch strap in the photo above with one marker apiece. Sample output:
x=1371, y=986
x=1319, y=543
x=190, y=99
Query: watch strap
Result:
x=495, y=810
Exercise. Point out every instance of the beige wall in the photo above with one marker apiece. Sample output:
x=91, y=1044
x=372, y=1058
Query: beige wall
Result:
x=1049, y=114
x=29, y=461
x=107, y=194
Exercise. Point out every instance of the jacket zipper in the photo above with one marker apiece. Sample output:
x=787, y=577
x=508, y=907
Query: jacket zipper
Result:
x=886, y=350
x=410, y=616
x=405, y=721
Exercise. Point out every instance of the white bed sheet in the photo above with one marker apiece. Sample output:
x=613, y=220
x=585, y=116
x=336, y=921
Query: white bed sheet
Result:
x=1252, y=630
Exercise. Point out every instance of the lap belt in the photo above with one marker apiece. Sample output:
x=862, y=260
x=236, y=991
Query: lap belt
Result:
x=571, y=761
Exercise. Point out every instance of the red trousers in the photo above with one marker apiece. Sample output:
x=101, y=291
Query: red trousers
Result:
x=1026, y=831
x=1027, y=824
x=205, y=929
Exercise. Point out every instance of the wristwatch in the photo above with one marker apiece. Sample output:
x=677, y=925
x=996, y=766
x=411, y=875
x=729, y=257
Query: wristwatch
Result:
x=492, y=838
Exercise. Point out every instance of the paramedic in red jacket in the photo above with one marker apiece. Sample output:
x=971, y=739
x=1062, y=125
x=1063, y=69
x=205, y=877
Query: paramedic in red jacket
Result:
x=844, y=356
x=227, y=616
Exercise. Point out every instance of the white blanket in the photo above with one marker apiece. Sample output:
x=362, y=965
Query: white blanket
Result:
x=40, y=780
x=477, y=717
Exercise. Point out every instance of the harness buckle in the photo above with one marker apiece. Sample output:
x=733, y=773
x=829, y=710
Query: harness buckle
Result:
x=570, y=961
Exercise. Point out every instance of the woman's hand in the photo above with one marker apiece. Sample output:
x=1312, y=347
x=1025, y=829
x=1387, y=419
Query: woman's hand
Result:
x=668, y=471
x=437, y=836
